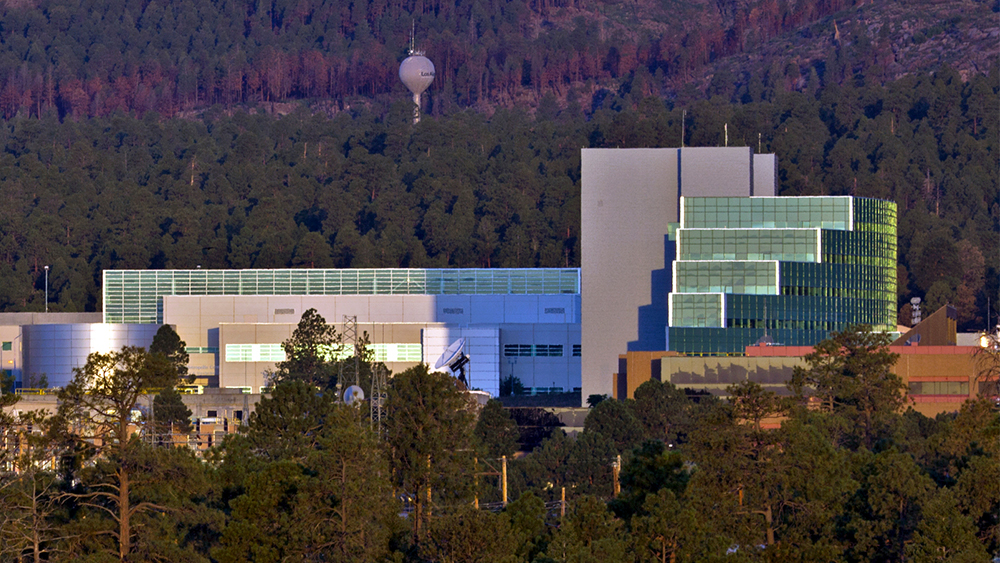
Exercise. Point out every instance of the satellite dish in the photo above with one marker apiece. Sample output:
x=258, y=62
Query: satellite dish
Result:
x=354, y=394
x=454, y=360
x=450, y=354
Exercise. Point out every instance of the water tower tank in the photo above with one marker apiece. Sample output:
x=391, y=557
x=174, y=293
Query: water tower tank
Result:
x=417, y=73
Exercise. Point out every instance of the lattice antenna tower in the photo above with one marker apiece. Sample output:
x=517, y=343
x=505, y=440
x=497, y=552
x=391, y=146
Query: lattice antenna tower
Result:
x=380, y=392
x=351, y=339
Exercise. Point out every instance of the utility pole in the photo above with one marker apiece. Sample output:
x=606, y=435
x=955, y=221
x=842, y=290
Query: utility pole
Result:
x=684, y=113
x=46, y=289
x=616, y=469
x=428, y=511
x=562, y=504
x=475, y=484
x=503, y=478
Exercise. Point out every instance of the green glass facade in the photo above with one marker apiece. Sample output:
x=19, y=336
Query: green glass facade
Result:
x=794, y=269
x=758, y=278
x=136, y=296
x=793, y=245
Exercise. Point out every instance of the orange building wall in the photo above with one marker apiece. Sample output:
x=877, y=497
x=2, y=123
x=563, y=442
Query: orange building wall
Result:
x=636, y=368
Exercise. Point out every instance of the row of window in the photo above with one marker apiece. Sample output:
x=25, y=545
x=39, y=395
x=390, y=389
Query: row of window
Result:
x=777, y=324
x=789, y=245
x=836, y=292
x=537, y=350
x=274, y=352
x=733, y=341
x=939, y=388
x=777, y=212
x=726, y=277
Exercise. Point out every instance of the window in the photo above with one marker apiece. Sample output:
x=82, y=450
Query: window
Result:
x=211, y=414
x=939, y=388
x=549, y=350
x=577, y=350
x=254, y=353
x=517, y=350
x=8, y=346
x=538, y=350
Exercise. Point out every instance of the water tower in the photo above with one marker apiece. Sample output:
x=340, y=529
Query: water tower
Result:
x=417, y=73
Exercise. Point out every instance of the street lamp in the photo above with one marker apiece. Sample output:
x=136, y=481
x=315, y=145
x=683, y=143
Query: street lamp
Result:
x=46, y=289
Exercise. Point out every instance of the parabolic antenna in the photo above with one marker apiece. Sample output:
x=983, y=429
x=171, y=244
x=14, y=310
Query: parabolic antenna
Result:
x=450, y=354
x=454, y=360
x=354, y=394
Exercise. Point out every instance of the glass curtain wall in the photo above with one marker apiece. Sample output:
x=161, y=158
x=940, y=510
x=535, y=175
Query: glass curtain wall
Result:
x=791, y=269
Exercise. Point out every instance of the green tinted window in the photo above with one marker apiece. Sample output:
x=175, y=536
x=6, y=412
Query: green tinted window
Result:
x=726, y=277
x=696, y=309
x=791, y=245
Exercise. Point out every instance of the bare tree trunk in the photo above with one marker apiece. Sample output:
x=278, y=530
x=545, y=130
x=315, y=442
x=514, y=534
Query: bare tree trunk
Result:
x=770, y=525
x=124, y=531
x=36, y=543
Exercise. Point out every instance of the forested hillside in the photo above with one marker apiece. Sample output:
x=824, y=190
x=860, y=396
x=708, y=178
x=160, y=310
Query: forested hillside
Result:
x=85, y=58
x=146, y=134
x=363, y=189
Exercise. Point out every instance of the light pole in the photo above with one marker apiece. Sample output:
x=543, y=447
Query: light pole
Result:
x=46, y=289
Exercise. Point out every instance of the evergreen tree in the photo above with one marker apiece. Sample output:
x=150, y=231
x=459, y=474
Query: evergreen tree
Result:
x=430, y=435
x=168, y=344
x=309, y=353
x=496, y=431
x=851, y=374
x=170, y=414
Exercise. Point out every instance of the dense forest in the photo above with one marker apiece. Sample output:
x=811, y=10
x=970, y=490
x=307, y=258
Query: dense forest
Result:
x=370, y=189
x=276, y=134
x=91, y=58
x=668, y=476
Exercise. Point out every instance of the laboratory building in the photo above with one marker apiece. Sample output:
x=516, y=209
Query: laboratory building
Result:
x=688, y=257
x=521, y=322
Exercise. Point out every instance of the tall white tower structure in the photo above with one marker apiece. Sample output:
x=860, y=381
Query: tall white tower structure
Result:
x=417, y=73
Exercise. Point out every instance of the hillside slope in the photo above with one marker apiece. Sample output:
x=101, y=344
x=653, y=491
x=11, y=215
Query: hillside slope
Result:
x=94, y=57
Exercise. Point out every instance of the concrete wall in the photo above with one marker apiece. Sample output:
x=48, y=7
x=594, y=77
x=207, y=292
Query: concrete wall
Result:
x=196, y=316
x=716, y=171
x=628, y=198
x=714, y=374
x=252, y=374
x=19, y=319
x=636, y=368
x=482, y=346
x=765, y=175
x=542, y=371
x=434, y=322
